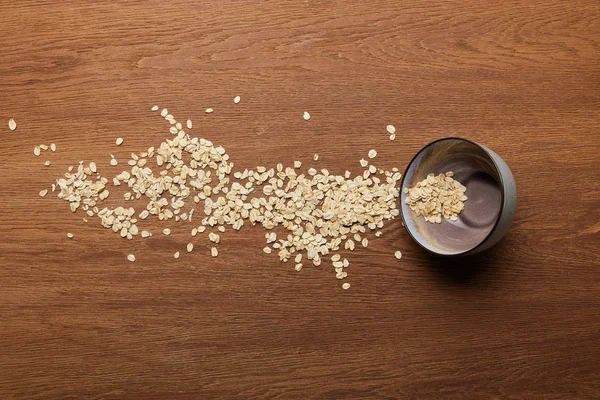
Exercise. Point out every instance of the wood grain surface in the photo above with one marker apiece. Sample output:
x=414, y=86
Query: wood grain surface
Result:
x=522, y=321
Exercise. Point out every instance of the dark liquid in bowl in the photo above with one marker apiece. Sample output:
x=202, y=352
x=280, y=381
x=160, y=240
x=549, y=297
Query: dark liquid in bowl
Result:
x=478, y=217
x=484, y=201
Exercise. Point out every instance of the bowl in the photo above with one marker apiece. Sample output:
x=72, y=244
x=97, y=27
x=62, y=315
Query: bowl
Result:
x=490, y=187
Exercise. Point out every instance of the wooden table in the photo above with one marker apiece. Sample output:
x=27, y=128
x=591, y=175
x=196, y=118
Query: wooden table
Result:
x=521, y=321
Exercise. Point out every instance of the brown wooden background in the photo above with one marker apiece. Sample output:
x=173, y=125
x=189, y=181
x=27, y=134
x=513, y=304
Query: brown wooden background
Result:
x=519, y=322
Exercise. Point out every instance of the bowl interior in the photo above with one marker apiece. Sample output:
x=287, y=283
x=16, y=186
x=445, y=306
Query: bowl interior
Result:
x=475, y=169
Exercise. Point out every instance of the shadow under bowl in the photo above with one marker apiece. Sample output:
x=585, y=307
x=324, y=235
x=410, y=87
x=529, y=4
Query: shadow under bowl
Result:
x=489, y=209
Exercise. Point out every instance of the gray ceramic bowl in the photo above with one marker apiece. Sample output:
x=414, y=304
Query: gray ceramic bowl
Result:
x=491, y=192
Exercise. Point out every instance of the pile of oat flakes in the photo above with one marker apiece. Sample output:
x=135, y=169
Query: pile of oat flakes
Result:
x=194, y=182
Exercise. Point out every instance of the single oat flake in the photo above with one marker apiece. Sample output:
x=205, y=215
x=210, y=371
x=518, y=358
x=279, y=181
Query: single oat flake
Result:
x=306, y=116
x=12, y=125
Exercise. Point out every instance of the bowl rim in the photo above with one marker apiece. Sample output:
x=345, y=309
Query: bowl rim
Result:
x=496, y=223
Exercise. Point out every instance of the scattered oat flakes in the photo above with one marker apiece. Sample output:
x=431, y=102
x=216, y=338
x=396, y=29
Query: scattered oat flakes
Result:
x=320, y=211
